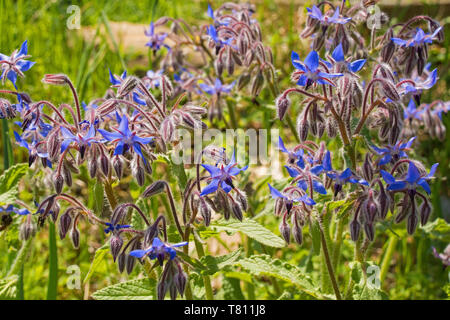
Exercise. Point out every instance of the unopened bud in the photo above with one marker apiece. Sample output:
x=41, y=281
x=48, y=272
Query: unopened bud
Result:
x=64, y=223
x=127, y=86
x=58, y=182
x=75, y=237
x=354, y=230
x=370, y=231
x=57, y=79
x=155, y=188
x=425, y=211
x=116, y=243
x=237, y=211
x=118, y=166
x=285, y=231
x=412, y=223
x=282, y=103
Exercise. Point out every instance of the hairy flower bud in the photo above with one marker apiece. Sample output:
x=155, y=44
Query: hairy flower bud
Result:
x=282, y=103
x=127, y=86
x=121, y=261
x=425, y=211
x=155, y=188
x=105, y=165
x=180, y=280
x=285, y=231
x=92, y=167
x=56, y=79
x=58, y=182
x=412, y=223
x=167, y=129
x=242, y=198
x=257, y=84
x=116, y=243
x=118, y=166
x=390, y=91
x=354, y=230
x=302, y=127
x=27, y=229
x=369, y=230
x=205, y=211
x=64, y=223
x=297, y=233
x=237, y=211
x=75, y=237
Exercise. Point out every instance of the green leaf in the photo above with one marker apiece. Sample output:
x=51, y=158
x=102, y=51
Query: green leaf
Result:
x=215, y=264
x=9, y=196
x=438, y=229
x=139, y=289
x=232, y=289
x=252, y=229
x=99, y=257
x=11, y=177
x=366, y=287
x=8, y=288
x=259, y=265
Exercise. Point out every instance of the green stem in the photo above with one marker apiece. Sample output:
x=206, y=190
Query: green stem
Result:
x=206, y=279
x=388, y=256
x=232, y=113
x=53, y=264
x=329, y=265
x=291, y=126
x=338, y=242
x=20, y=258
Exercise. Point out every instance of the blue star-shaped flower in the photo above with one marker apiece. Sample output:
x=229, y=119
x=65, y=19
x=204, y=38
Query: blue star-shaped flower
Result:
x=156, y=40
x=82, y=141
x=289, y=201
x=115, y=80
x=158, y=250
x=15, y=65
x=294, y=157
x=411, y=111
x=218, y=87
x=125, y=139
x=412, y=180
x=393, y=152
x=212, y=33
x=303, y=180
x=33, y=150
x=339, y=60
x=11, y=209
x=419, y=39
x=309, y=70
x=325, y=20
x=222, y=176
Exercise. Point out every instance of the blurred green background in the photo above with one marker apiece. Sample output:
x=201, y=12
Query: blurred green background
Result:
x=86, y=54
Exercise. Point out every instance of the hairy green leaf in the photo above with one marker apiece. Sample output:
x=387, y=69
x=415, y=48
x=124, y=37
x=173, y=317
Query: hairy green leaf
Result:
x=252, y=229
x=139, y=289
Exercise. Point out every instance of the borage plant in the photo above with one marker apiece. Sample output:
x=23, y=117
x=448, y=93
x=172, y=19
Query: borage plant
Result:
x=352, y=164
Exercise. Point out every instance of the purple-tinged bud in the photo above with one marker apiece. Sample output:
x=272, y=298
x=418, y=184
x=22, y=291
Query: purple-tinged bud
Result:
x=167, y=129
x=218, y=65
x=297, y=233
x=257, y=84
x=229, y=62
x=355, y=227
x=412, y=223
x=75, y=237
x=369, y=230
x=390, y=91
x=67, y=174
x=27, y=229
x=367, y=168
x=127, y=86
x=121, y=261
x=394, y=134
x=302, y=127
x=155, y=188
x=92, y=167
x=331, y=127
x=279, y=207
x=195, y=109
x=282, y=103
x=172, y=291
x=180, y=280
x=56, y=79
x=205, y=211
x=243, y=80
x=384, y=201
x=242, y=198
x=58, y=182
x=106, y=107
x=116, y=243
x=118, y=166
x=64, y=223
x=425, y=212
x=7, y=110
x=53, y=145
x=237, y=211
x=105, y=164
x=285, y=231
x=162, y=289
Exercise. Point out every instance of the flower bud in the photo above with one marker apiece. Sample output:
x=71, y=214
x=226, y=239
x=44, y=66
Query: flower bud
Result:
x=237, y=211
x=180, y=281
x=282, y=103
x=56, y=79
x=116, y=243
x=205, y=211
x=127, y=86
x=7, y=110
x=167, y=129
x=121, y=261
x=297, y=233
x=27, y=230
x=302, y=127
x=67, y=174
x=92, y=168
x=425, y=211
x=412, y=223
x=64, y=223
x=162, y=289
x=369, y=230
x=367, y=168
x=242, y=198
x=58, y=182
x=75, y=237
x=118, y=166
x=155, y=188
x=257, y=84
x=105, y=165
x=354, y=230
x=390, y=91
x=285, y=231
